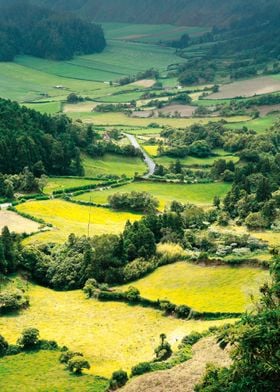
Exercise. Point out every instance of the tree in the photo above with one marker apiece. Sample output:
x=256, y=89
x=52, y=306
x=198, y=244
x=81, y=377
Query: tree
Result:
x=255, y=221
x=77, y=364
x=164, y=350
x=29, y=338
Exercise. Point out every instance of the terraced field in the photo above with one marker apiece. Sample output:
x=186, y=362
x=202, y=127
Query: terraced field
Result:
x=213, y=289
x=201, y=194
x=111, y=335
x=70, y=218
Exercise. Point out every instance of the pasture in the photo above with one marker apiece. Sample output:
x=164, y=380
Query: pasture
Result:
x=60, y=183
x=259, y=125
x=115, y=165
x=148, y=33
x=201, y=194
x=51, y=107
x=111, y=335
x=248, y=88
x=195, y=161
x=212, y=289
x=70, y=218
x=118, y=118
x=17, y=223
x=17, y=373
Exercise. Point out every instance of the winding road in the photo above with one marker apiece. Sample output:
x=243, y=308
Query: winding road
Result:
x=147, y=159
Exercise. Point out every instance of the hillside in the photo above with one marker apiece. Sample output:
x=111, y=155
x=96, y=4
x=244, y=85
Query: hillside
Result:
x=185, y=12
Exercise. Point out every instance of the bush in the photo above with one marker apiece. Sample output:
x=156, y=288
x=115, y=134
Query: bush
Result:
x=118, y=379
x=141, y=368
x=192, y=338
x=3, y=346
x=77, y=364
x=29, y=338
x=12, y=300
x=13, y=349
x=48, y=345
x=132, y=294
x=67, y=355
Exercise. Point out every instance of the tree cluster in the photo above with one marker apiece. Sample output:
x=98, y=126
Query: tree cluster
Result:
x=29, y=29
x=135, y=201
x=42, y=143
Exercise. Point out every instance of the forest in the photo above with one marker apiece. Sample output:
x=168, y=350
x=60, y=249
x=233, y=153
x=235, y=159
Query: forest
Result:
x=29, y=29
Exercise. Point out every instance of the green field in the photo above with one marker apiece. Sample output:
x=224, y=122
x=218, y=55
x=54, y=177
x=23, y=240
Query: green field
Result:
x=41, y=371
x=201, y=194
x=148, y=33
x=111, y=335
x=193, y=161
x=60, y=183
x=259, y=125
x=110, y=164
x=118, y=118
x=45, y=107
x=117, y=60
x=70, y=218
x=212, y=289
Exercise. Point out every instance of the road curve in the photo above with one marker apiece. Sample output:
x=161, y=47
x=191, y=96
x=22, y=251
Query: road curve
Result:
x=147, y=159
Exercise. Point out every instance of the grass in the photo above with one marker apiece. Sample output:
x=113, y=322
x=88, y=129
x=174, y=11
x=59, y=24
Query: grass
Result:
x=111, y=335
x=60, y=183
x=70, y=218
x=259, y=125
x=213, y=289
x=45, y=107
x=194, y=161
x=152, y=149
x=117, y=60
x=111, y=164
x=202, y=194
x=41, y=371
x=117, y=118
x=148, y=32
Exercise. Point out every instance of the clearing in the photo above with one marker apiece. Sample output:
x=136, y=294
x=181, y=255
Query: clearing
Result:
x=111, y=335
x=212, y=289
x=70, y=218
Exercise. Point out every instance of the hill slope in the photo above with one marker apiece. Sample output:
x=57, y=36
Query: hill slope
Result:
x=185, y=12
x=184, y=377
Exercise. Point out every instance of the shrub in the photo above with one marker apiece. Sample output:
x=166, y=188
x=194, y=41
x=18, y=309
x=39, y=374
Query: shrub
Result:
x=13, y=349
x=48, y=345
x=118, y=379
x=12, y=300
x=29, y=338
x=67, y=355
x=141, y=368
x=132, y=294
x=77, y=364
x=192, y=338
x=3, y=346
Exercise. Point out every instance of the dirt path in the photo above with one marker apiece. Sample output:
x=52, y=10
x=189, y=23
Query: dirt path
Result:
x=147, y=159
x=184, y=377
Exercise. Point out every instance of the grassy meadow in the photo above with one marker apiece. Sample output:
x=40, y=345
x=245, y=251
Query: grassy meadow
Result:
x=60, y=183
x=118, y=118
x=28, y=372
x=111, y=164
x=259, y=125
x=213, y=289
x=201, y=194
x=111, y=335
x=68, y=218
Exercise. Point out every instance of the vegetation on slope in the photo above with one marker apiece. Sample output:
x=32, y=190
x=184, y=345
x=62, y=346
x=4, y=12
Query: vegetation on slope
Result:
x=27, y=29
